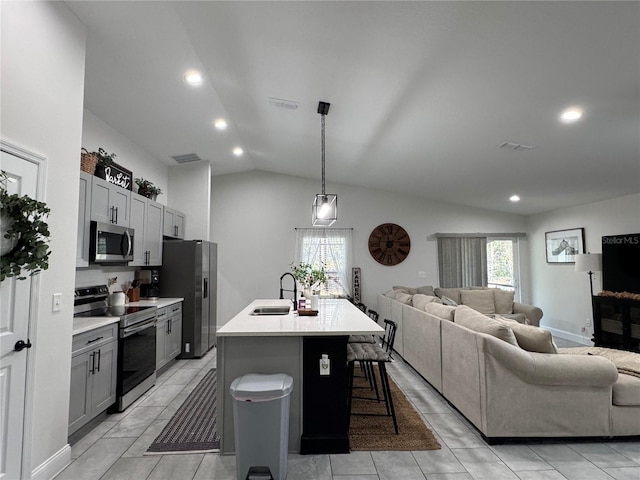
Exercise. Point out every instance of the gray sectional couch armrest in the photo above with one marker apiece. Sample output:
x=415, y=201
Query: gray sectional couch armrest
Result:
x=534, y=314
x=553, y=369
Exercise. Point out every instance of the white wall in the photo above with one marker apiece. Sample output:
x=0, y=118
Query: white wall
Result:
x=561, y=292
x=43, y=51
x=254, y=215
x=96, y=133
x=189, y=192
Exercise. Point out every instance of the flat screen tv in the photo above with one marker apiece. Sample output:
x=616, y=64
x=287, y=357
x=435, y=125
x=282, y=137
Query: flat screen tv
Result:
x=621, y=263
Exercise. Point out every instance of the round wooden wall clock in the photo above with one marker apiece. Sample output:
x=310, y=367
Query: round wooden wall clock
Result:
x=389, y=244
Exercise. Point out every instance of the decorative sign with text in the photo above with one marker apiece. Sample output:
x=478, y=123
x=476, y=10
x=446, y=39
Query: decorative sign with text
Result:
x=118, y=175
x=356, y=284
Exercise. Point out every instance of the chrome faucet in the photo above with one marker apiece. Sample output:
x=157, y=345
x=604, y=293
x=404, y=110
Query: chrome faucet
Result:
x=295, y=289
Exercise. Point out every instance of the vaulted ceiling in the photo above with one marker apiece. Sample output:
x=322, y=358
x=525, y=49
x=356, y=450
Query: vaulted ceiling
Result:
x=423, y=94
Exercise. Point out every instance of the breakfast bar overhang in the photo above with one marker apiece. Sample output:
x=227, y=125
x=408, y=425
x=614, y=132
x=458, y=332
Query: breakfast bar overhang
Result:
x=294, y=344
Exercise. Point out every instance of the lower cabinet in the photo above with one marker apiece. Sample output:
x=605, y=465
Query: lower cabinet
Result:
x=94, y=363
x=168, y=334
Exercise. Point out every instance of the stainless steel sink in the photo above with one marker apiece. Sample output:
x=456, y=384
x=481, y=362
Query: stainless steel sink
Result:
x=276, y=310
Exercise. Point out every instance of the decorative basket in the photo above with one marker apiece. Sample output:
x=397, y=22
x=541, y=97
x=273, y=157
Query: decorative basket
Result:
x=88, y=161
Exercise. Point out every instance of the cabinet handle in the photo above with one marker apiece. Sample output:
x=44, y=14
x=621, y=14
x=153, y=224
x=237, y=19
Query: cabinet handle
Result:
x=116, y=214
x=93, y=362
x=99, y=358
x=94, y=340
x=111, y=214
x=169, y=326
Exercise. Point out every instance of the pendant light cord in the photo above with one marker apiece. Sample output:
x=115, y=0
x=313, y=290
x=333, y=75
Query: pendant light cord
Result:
x=322, y=142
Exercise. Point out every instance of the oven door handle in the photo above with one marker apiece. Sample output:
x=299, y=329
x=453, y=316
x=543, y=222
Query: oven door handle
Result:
x=137, y=328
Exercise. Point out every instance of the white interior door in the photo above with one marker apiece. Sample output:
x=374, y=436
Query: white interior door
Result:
x=15, y=311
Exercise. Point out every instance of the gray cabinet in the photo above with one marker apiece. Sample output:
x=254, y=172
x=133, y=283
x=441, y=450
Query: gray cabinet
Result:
x=109, y=203
x=84, y=216
x=146, y=219
x=168, y=334
x=94, y=361
x=173, y=223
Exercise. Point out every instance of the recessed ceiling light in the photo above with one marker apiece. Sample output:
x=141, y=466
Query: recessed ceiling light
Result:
x=514, y=198
x=571, y=115
x=238, y=151
x=220, y=124
x=193, y=77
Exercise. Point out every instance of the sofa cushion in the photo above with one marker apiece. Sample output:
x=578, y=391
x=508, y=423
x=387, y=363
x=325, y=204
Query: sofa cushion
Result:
x=420, y=300
x=530, y=338
x=452, y=293
x=480, y=300
x=518, y=317
x=426, y=290
x=409, y=290
x=626, y=390
x=404, y=297
x=441, y=311
x=503, y=300
x=471, y=319
x=391, y=293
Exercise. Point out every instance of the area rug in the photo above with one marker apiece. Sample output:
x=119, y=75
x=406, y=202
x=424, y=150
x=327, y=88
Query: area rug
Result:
x=193, y=427
x=377, y=433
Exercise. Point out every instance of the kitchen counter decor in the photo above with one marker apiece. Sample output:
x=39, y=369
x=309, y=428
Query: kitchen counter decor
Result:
x=25, y=234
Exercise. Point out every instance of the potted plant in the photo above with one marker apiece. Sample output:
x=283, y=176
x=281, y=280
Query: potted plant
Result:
x=25, y=234
x=104, y=160
x=309, y=276
x=147, y=189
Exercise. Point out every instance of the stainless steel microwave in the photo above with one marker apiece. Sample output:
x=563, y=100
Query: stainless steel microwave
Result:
x=110, y=243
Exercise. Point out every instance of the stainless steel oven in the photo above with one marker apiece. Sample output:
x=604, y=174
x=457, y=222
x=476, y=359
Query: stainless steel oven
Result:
x=110, y=243
x=136, y=341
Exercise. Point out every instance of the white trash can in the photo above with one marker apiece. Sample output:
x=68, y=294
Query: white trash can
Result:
x=261, y=422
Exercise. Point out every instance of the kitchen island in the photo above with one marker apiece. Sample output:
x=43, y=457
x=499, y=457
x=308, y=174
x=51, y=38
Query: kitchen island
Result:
x=294, y=344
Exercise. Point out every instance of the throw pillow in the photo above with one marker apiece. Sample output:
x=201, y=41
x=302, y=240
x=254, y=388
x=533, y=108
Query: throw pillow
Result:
x=503, y=300
x=409, y=290
x=471, y=319
x=480, y=300
x=447, y=301
x=530, y=338
x=518, y=317
x=452, y=293
x=419, y=300
x=404, y=298
x=426, y=290
x=441, y=311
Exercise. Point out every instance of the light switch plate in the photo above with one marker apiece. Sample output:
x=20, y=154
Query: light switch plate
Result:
x=56, y=304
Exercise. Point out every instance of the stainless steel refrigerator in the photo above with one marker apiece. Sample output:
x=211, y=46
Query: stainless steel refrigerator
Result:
x=189, y=270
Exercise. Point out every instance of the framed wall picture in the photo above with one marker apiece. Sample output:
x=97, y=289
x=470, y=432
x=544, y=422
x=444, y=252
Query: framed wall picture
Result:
x=564, y=245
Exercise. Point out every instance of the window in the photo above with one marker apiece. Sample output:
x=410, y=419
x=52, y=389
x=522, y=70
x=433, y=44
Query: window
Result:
x=332, y=248
x=502, y=264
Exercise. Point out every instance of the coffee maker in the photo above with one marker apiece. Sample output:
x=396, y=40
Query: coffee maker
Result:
x=149, y=283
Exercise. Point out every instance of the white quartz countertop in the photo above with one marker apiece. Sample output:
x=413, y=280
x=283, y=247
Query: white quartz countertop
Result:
x=84, y=324
x=335, y=317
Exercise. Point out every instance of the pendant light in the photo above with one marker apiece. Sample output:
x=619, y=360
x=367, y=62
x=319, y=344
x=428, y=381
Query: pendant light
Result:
x=324, y=211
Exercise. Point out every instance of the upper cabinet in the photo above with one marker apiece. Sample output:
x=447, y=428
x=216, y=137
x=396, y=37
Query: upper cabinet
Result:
x=173, y=223
x=109, y=203
x=147, y=221
x=84, y=215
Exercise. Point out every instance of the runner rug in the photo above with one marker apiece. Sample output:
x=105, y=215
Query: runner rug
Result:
x=377, y=432
x=193, y=427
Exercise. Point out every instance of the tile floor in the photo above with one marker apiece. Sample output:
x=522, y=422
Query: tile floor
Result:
x=115, y=448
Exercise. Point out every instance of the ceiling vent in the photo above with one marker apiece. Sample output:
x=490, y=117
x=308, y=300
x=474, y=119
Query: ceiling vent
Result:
x=187, y=158
x=516, y=146
x=282, y=103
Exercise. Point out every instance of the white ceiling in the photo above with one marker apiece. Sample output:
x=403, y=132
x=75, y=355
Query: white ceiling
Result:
x=422, y=93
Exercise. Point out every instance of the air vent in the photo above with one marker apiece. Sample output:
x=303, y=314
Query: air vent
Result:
x=282, y=103
x=516, y=146
x=187, y=158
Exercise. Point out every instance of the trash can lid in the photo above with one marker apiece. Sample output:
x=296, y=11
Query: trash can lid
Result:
x=261, y=387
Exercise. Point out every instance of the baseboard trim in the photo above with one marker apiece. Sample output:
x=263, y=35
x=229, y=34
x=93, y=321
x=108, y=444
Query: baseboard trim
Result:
x=581, y=339
x=53, y=465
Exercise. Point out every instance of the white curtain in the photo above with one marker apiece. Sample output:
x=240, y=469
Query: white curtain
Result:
x=462, y=261
x=331, y=247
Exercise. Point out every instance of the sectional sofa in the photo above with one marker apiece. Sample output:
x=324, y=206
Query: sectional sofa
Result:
x=480, y=365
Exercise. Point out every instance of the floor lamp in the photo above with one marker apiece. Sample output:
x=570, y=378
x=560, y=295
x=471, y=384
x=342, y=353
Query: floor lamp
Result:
x=590, y=263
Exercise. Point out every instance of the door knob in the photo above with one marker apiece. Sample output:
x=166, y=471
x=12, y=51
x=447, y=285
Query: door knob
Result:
x=21, y=345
